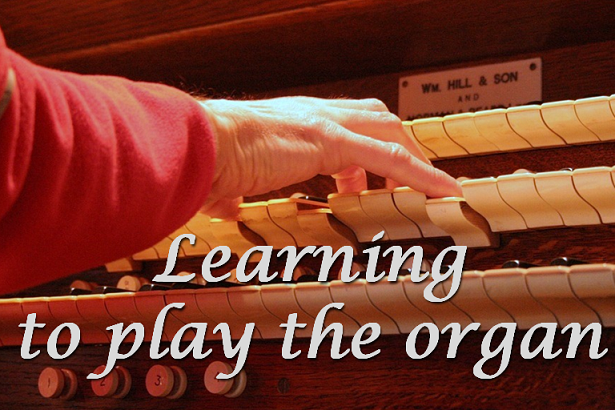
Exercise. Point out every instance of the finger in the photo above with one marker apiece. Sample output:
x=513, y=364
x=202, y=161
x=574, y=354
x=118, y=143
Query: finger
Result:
x=368, y=104
x=391, y=160
x=384, y=126
x=352, y=179
x=390, y=184
x=223, y=208
x=411, y=140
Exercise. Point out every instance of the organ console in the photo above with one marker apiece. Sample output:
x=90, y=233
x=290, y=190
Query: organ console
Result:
x=540, y=184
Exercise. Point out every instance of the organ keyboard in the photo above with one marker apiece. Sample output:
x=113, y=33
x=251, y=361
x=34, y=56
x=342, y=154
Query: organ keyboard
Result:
x=583, y=293
x=517, y=128
x=515, y=202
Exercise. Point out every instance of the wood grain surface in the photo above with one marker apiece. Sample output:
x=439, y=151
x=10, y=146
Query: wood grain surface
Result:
x=568, y=73
x=282, y=46
x=39, y=27
x=390, y=380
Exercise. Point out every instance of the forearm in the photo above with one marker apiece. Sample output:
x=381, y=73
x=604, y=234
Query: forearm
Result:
x=93, y=168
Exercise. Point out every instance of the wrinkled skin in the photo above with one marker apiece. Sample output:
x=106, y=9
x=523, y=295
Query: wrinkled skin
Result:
x=269, y=144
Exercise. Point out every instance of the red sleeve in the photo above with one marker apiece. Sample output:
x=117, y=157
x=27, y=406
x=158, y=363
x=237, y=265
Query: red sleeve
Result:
x=93, y=168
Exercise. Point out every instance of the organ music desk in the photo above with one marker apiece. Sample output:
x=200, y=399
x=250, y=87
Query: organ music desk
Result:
x=561, y=206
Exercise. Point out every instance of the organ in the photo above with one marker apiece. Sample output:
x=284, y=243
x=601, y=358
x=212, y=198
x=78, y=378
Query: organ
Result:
x=562, y=206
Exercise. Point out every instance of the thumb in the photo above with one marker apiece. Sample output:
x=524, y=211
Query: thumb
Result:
x=223, y=208
x=351, y=179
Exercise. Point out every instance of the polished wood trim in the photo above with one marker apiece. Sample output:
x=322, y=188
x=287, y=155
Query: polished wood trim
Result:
x=568, y=73
x=338, y=40
x=39, y=27
x=390, y=380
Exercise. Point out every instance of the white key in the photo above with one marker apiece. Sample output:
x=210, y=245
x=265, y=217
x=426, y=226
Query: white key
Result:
x=236, y=236
x=313, y=296
x=11, y=315
x=40, y=306
x=162, y=248
x=64, y=309
x=430, y=132
x=595, y=285
x=185, y=244
x=149, y=304
x=508, y=288
x=550, y=286
x=557, y=189
x=561, y=117
x=408, y=128
x=528, y=123
x=472, y=298
x=441, y=313
x=200, y=226
x=123, y=265
x=322, y=225
x=215, y=304
x=390, y=297
x=462, y=130
x=256, y=217
x=595, y=113
x=358, y=306
x=519, y=191
x=494, y=126
x=413, y=205
x=92, y=309
x=279, y=299
x=379, y=205
x=190, y=313
x=284, y=213
x=347, y=208
x=246, y=302
x=149, y=254
x=595, y=185
x=462, y=223
x=483, y=196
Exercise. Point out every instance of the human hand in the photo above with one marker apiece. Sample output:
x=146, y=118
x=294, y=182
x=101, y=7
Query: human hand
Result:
x=265, y=145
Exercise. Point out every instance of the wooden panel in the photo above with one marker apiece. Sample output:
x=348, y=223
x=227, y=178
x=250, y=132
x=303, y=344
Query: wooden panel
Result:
x=40, y=27
x=342, y=40
x=390, y=380
x=589, y=73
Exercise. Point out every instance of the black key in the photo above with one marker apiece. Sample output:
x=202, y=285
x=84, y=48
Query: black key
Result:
x=565, y=261
x=276, y=281
x=307, y=278
x=404, y=272
x=79, y=291
x=443, y=269
x=313, y=198
x=149, y=287
x=517, y=264
x=273, y=281
x=186, y=285
x=223, y=284
x=104, y=290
